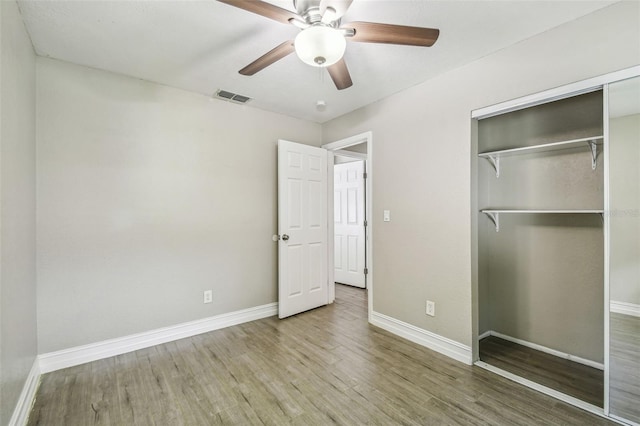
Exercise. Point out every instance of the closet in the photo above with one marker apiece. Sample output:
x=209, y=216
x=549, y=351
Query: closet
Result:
x=542, y=178
x=542, y=257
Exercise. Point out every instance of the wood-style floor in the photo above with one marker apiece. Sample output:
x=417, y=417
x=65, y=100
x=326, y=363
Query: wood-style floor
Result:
x=624, y=393
x=326, y=366
x=578, y=380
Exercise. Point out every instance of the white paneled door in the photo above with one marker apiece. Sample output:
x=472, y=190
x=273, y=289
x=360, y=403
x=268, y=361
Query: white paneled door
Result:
x=302, y=226
x=349, y=230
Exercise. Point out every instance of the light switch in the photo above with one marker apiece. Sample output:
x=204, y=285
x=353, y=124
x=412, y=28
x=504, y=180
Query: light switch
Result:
x=386, y=216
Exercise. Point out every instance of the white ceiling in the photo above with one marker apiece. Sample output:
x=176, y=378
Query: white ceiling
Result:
x=200, y=45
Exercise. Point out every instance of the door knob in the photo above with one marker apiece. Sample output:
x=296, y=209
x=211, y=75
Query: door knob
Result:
x=285, y=237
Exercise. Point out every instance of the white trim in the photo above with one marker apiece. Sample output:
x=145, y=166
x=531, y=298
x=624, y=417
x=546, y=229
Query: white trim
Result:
x=625, y=308
x=543, y=389
x=547, y=350
x=350, y=141
x=350, y=154
x=606, y=227
x=331, y=280
x=82, y=354
x=562, y=92
x=27, y=396
x=485, y=334
x=433, y=341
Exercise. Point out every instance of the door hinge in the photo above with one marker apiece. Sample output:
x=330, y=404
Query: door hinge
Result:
x=364, y=175
x=366, y=223
x=366, y=271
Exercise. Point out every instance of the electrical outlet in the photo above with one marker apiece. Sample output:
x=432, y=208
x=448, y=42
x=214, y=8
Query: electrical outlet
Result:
x=208, y=296
x=431, y=308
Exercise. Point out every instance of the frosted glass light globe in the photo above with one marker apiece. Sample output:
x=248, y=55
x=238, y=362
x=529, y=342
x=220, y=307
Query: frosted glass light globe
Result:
x=320, y=46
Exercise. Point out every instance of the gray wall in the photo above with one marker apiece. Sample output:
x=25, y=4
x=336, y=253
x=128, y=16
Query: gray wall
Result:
x=17, y=209
x=148, y=196
x=421, y=160
x=624, y=136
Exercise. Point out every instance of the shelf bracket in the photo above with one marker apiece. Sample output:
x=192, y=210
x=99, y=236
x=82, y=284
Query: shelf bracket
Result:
x=495, y=218
x=594, y=154
x=495, y=162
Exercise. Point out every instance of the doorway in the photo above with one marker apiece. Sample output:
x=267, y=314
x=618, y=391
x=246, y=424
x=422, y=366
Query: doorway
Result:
x=349, y=177
x=360, y=148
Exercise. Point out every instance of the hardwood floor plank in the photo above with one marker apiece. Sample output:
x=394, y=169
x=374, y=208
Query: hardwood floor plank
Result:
x=625, y=366
x=325, y=366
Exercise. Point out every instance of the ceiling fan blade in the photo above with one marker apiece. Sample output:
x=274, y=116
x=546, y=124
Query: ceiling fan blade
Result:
x=268, y=58
x=264, y=9
x=372, y=32
x=340, y=75
x=332, y=10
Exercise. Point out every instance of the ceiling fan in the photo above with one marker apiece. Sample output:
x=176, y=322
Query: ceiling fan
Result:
x=322, y=41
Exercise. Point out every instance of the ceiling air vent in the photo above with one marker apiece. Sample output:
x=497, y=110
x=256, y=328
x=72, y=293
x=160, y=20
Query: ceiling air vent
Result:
x=233, y=97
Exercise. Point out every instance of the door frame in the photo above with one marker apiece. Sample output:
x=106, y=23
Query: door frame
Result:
x=332, y=148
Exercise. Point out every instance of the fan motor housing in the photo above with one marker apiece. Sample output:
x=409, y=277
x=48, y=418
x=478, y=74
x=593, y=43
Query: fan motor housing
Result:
x=302, y=6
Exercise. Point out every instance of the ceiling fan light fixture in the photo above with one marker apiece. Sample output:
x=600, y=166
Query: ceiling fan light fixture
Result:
x=320, y=46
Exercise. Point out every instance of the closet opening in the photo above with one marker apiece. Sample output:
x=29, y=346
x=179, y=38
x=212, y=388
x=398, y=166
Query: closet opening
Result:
x=541, y=246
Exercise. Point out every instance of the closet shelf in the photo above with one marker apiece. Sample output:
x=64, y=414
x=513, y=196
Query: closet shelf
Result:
x=494, y=214
x=592, y=142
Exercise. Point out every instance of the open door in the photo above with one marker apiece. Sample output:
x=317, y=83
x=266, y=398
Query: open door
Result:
x=302, y=228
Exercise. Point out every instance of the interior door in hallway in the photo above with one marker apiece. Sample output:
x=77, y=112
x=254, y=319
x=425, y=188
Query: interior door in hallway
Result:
x=302, y=227
x=349, y=228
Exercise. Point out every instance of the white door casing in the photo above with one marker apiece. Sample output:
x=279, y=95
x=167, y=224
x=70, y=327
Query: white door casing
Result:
x=302, y=226
x=349, y=231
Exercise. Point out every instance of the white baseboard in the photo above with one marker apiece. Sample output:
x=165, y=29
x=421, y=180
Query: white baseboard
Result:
x=545, y=349
x=435, y=342
x=485, y=334
x=82, y=354
x=27, y=396
x=625, y=308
